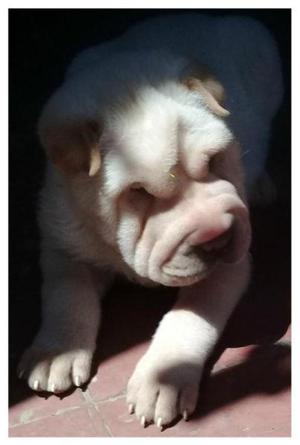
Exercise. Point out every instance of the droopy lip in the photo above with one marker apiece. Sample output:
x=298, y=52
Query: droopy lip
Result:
x=186, y=280
x=181, y=281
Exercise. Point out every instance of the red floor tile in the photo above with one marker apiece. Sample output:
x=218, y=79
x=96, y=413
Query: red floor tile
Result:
x=113, y=374
x=76, y=422
x=36, y=407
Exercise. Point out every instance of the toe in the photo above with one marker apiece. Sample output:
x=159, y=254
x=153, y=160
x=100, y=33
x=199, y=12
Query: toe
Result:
x=81, y=368
x=38, y=376
x=188, y=400
x=146, y=402
x=60, y=374
x=166, y=405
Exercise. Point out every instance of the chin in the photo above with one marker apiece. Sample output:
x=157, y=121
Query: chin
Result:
x=183, y=281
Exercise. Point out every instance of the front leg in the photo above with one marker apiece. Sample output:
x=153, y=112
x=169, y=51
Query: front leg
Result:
x=62, y=351
x=166, y=380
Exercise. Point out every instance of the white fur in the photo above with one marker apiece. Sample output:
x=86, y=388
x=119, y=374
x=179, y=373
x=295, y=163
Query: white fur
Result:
x=159, y=135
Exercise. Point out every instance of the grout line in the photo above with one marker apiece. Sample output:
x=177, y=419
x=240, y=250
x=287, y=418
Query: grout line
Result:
x=93, y=421
x=106, y=427
x=89, y=400
x=87, y=397
x=59, y=412
x=118, y=396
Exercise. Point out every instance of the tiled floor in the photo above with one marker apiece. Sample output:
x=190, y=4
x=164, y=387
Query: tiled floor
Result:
x=246, y=393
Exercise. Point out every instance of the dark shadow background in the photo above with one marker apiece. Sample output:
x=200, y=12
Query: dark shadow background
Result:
x=41, y=45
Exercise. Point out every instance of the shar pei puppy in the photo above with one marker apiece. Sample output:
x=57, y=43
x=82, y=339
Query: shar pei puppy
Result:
x=155, y=141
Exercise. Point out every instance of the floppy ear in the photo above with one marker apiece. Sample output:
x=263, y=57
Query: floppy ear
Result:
x=202, y=80
x=70, y=130
x=73, y=146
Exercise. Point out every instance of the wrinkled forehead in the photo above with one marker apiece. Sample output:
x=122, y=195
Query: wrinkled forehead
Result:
x=149, y=139
x=153, y=137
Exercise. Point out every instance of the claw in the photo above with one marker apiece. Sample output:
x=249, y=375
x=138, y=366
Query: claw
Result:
x=77, y=380
x=185, y=415
x=143, y=421
x=131, y=408
x=21, y=373
x=52, y=387
x=159, y=424
x=36, y=385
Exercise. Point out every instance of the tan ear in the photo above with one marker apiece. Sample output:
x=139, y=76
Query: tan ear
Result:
x=73, y=146
x=212, y=91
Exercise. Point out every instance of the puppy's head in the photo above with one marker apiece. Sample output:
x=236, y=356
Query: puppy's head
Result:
x=164, y=176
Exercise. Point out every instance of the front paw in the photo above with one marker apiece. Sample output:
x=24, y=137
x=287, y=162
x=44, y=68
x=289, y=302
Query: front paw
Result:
x=56, y=371
x=162, y=388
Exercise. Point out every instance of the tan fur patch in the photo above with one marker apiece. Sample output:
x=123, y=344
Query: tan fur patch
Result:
x=202, y=80
x=74, y=147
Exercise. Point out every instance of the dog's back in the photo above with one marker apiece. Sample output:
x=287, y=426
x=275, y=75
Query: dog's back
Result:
x=241, y=53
